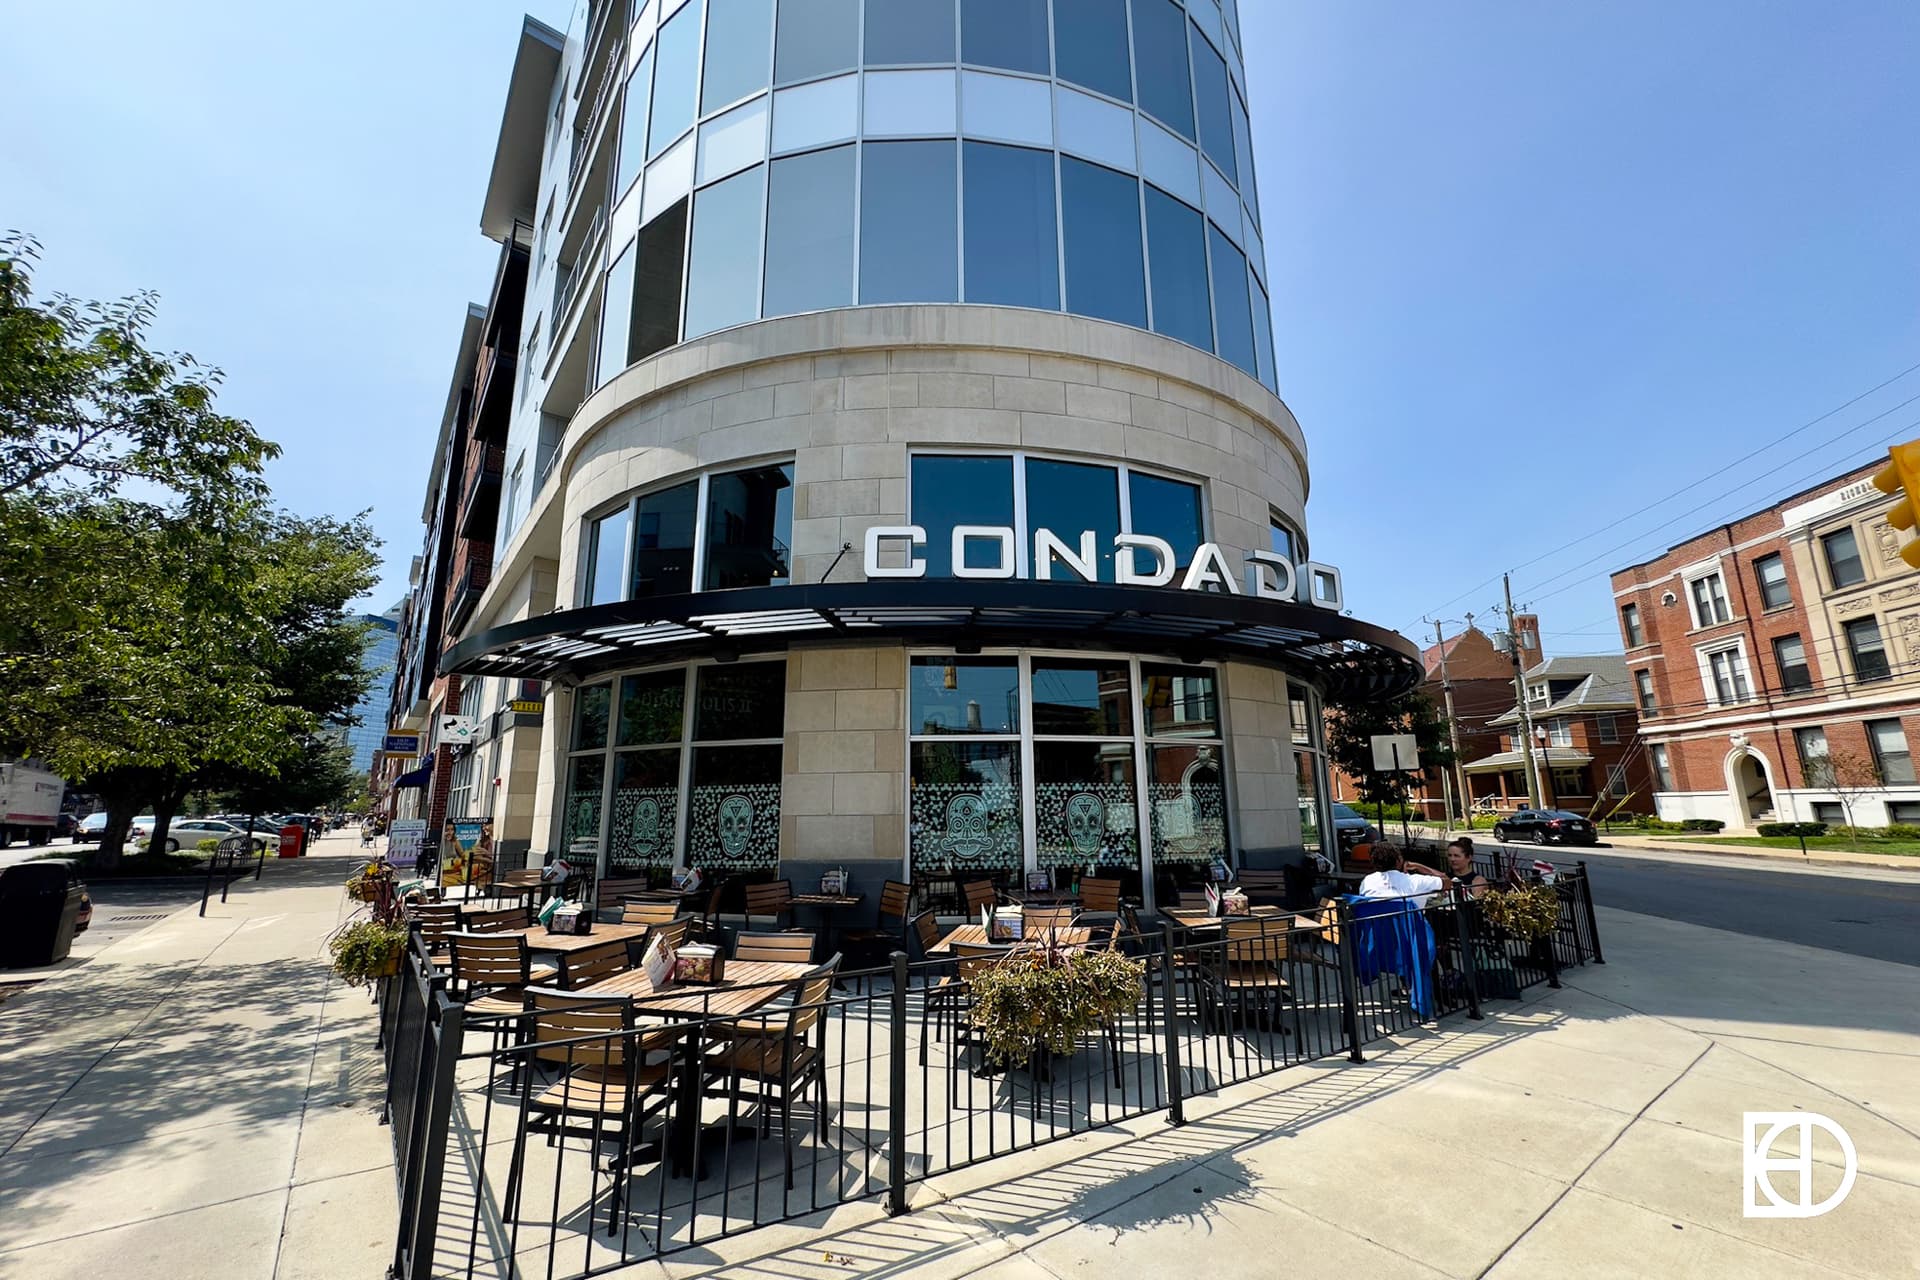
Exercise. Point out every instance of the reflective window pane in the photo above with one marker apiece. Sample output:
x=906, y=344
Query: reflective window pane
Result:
x=1232, y=313
x=616, y=312
x=964, y=808
x=739, y=57
x=816, y=38
x=676, y=68
x=580, y=814
x=633, y=125
x=663, y=541
x=723, y=266
x=964, y=695
x=1084, y=809
x=738, y=700
x=1101, y=213
x=948, y=491
x=909, y=237
x=749, y=528
x=1072, y=498
x=1280, y=538
x=733, y=810
x=1004, y=33
x=1090, y=46
x=646, y=809
x=1160, y=47
x=1263, y=335
x=810, y=233
x=1187, y=803
x=1011, y=232
x=654, y=324
x=1177, y=250
x=1169, y=509
x=1299, y=718
x=1082, y=698
x=1307, y=792
x=1242, y=149
x=909, y=31
x=606, y=557
x=1215, y=102
x=590, y=707
x=652, y=707
x=1179, y=702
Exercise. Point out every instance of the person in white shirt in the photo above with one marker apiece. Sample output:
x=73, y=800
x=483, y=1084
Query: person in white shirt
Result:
x=1394, y=877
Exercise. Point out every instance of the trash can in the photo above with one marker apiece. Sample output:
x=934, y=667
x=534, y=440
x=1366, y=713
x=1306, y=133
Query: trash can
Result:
x=293, y=838
x=39, y=912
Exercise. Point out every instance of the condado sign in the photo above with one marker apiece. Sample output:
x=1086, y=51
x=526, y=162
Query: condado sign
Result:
x=1267, y=574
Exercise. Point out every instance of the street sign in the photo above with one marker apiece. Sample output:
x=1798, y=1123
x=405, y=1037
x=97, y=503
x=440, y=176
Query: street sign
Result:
x=528, y=706
x=1395, y=752
x=456, y=729
x=401, y=744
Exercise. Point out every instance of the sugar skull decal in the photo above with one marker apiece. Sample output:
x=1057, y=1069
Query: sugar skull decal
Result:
x=967, y=826
x=1086, y=823
x=736, y=824
x=646, y=827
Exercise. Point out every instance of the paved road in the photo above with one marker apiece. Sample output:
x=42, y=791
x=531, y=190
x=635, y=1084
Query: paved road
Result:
x=1861, y=913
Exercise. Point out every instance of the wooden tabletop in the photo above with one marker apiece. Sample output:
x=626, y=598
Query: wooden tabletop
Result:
x=827, y=899
x=747, y=985
x=973, y=935
x=1197, y=917
x=661, y=895
x=538, y=939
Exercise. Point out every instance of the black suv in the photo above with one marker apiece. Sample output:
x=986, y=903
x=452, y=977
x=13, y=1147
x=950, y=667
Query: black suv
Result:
x=1545, y=826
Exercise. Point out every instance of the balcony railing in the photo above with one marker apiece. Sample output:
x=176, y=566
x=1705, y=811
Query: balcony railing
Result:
x=479, y=500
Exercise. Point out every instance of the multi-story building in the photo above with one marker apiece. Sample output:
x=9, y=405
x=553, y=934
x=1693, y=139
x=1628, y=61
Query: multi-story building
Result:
x=894, y=474
x=1584, y=755
x=368, y=724
x=1787, y=637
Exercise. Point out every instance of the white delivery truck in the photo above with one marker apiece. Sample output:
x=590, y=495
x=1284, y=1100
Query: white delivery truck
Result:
x=29, y=804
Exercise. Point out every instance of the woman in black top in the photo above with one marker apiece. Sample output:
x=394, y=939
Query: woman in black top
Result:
x=1460, y=869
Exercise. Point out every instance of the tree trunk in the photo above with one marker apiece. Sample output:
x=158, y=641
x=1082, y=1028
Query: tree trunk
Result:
x=164, y=809
x=121, y=811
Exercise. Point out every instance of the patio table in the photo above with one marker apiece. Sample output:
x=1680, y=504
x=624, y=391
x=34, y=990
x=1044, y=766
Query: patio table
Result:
x=827, y=904
x=745, y=987
x=539, y=940
x=1197, y=918
x=973, y=935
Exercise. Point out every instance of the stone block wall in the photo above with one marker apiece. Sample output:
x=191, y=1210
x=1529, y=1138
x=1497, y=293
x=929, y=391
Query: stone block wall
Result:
x=843, y=799
x=1260, y=756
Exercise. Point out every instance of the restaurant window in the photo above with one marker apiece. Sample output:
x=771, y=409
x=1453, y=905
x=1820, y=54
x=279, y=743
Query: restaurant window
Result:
x=964, y=802
x=956, y=490
x=460, y=787
x=1283, y=540
x=1810, y=744
x=645, y=819
x=733, y=802
x=1070, y=498
x=663, y=541
x=749, y=528
x=1771, y=573
x=1709, y=600
x=1890, y=753
x=1643, y=685
x=1086, y=813
x=1869, y=652
x=1662, y=768
x=607, y=557
x=1309, y=766
x=586, y=773
x=1790, y=656
x=1186, y=790
x=1168, y=509
x=1842, y=552
x=1630, y=625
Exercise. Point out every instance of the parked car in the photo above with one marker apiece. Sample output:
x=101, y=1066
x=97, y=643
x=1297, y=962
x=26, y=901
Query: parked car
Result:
x=187, y=833
x=1545, y=826
x=95, y=824
x=1351, y=828
x=65, y=825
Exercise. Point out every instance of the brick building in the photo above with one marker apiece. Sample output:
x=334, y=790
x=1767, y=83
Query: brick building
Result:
x=1584, y=707
x=1785, y=636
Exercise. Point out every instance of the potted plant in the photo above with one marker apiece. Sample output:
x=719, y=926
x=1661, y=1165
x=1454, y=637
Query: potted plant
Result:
x=367, y=950
x=1528, y=912
x=1042, y=998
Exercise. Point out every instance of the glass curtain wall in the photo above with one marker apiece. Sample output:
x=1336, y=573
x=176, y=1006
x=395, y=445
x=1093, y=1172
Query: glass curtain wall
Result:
x=1309, y=768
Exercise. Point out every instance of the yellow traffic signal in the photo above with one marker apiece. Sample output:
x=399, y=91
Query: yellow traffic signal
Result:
x=1902, y=476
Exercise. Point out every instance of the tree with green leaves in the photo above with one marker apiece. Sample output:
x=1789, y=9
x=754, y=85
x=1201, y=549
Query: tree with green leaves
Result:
x=1849, y=775
x=1351, y=726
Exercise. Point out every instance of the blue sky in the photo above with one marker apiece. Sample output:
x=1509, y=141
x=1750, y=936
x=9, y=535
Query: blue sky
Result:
x=1534, y=266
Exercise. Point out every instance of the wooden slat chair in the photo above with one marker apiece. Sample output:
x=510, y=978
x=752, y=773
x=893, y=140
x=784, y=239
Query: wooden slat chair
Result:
x=978, y=894
x=436, y=920
x=1252, y=975
x=777, y=1067
x=1100, y=896
x=608, y=1088
x=940, y=992
x=1036, y=921
x=497, y=920
x=491, y=972
x=872, y=946
x=969, y=960
x=1264, y=887
x=773, y=948
x=613, y=892
x=590, y=964
x=1193, y=899
x=770, y=901
x=649, y=912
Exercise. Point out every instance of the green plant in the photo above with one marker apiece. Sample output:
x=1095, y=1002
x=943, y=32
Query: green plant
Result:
x=210, y=845
x=1807, y=830
x=1529, y=912
x=1048, y=996
x=1702, y=824
x=1901, y=831
x=364, y=950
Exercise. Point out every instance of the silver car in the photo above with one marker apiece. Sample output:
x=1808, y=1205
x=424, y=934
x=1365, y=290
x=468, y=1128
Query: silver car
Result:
x=187, y=833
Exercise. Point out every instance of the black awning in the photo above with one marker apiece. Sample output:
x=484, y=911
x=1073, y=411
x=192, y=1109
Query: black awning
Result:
x=1340, y=655
x=416, y=777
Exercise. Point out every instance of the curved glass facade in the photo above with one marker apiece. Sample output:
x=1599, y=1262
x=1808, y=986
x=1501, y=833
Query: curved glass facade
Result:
x=782, y=156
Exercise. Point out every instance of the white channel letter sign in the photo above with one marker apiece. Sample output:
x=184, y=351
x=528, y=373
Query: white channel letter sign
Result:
x=1758, y=1164
x=1140, y=560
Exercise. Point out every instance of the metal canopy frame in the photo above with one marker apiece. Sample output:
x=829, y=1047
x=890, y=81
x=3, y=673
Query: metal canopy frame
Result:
x=1344, y=657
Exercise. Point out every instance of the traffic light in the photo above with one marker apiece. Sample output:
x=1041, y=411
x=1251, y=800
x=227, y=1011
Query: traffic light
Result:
x=1902, y=476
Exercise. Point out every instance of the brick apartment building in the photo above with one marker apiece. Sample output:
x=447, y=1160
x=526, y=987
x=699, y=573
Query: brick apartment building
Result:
x=1771, y=641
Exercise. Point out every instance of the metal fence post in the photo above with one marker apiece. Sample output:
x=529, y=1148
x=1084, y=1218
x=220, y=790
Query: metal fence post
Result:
x=420, y=1209
x=1176, y=1099
x=1349, y=984
x=1550, y=945
x=1469, y=967
x=897, y=1090
x=1593, y=920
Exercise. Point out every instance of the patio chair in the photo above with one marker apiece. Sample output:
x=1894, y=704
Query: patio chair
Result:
x=773, y=948
x=674, y=931
x=611, y=892
x=772, y=901
x=649, y=912
x=1035, y=922
x=491, y=972
x=1250, y=975
x=969, y=961
x=608, y=1091
x=499, y=920
x=873, y=945
x=435, y=921
x=978, y=894
x=591, y=964
x=1099, y=896
x=777, y=1066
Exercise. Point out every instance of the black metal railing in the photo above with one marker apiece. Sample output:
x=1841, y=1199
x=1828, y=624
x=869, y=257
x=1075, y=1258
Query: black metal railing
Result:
x=568, y=1149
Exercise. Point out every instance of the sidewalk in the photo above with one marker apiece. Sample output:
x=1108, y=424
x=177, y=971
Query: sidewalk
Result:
x=1626, y=842
x=200, y=1099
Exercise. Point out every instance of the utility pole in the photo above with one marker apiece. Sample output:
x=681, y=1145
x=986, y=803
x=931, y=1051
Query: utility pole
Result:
x=1520, y=691
x=1453, y=725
